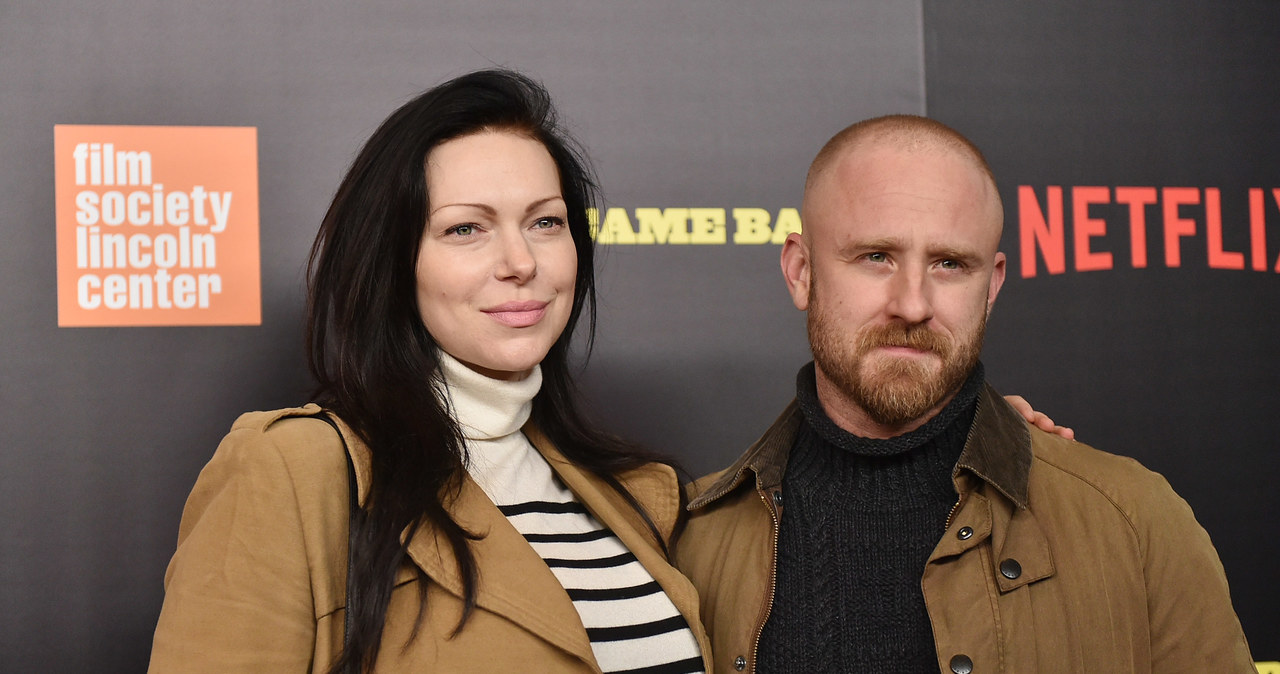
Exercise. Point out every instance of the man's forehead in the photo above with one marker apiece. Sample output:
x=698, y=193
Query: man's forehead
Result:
x=886, y=187
x=950, y=242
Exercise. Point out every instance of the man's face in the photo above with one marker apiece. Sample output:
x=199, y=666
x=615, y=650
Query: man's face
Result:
x=898, y=270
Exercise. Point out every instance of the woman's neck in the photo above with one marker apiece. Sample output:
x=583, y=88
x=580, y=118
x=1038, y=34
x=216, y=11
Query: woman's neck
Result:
x=487, y=408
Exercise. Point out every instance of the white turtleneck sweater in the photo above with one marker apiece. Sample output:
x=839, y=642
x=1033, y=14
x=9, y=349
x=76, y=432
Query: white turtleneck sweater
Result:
x=632, y=624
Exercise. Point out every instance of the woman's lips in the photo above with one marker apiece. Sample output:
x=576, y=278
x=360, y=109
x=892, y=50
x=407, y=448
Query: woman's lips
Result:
x=518, y=314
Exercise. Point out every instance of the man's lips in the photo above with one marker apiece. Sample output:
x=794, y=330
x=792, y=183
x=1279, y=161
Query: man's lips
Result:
x=901, y=350
x=518, y=314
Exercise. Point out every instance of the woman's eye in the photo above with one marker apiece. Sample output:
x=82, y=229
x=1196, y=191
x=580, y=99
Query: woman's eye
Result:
x=547, y=223
x=461, y=230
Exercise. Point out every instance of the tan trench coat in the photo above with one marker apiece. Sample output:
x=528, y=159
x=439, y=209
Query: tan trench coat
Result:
x=258, y=580
x=1112, y=573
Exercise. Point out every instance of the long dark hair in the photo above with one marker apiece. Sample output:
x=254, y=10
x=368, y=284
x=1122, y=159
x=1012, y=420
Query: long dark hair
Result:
x=374, y=361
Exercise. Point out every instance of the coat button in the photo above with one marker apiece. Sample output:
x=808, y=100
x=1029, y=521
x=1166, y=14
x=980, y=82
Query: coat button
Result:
x=965, y=533
x=1011, y=569
x=961, y=664
x=777, y=498
x=740, y=664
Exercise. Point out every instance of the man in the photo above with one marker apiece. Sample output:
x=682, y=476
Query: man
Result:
x=900, y=516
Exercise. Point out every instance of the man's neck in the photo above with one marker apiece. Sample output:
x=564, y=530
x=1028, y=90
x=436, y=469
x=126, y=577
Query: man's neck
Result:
x=851, y=417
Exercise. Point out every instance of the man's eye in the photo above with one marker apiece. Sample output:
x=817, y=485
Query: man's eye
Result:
x=877, y=257
x=949, y=264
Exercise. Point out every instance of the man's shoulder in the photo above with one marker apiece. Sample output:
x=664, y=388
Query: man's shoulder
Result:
x=728, y=503
x=1066, y=469
x=700, y=486
x=717, y=512
x=1094, y=506
x=729, y=523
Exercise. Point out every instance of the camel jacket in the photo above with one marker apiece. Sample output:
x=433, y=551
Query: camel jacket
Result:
x=258, y=581
x=1056, y=558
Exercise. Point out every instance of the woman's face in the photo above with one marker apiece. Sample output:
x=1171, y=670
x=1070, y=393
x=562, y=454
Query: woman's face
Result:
x=497, y=264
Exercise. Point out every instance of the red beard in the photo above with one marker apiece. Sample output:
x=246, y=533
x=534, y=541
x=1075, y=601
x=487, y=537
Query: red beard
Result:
x=892, y=390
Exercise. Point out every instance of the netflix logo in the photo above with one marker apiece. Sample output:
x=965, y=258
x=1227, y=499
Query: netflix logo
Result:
x=1172, y=220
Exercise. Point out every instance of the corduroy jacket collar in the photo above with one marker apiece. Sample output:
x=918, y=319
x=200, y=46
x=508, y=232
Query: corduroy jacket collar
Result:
x=997, y=451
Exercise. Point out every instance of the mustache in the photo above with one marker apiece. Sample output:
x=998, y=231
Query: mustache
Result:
x=916, y=337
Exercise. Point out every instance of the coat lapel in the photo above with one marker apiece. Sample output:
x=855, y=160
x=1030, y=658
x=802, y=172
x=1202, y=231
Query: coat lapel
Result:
x=657, y=487
x=514, y=582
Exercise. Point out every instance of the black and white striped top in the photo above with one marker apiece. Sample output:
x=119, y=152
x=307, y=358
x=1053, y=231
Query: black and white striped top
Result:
x=632, y=623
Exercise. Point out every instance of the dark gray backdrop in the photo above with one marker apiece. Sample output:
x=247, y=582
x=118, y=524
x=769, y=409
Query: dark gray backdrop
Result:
x=709, y=104
x=1177, y=367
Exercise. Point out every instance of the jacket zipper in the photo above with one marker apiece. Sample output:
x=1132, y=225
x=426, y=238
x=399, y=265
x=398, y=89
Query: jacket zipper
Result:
x=773, y=581
x=952, y=514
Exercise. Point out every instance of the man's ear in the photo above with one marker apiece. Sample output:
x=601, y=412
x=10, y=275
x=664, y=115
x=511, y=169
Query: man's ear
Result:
x=796, y=268
x=997, y=280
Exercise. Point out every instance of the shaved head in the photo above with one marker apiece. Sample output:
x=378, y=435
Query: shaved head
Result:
x=904, y=132
x=908, y=133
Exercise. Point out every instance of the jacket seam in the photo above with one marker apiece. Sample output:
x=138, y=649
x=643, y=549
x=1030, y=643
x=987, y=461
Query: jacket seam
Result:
x=1133, y=528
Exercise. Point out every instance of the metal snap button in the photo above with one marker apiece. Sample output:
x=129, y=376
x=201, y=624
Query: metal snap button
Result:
x=1011, y=569
x=965, y=533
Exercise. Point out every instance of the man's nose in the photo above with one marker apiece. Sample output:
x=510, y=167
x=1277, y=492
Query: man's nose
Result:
x=909, y=297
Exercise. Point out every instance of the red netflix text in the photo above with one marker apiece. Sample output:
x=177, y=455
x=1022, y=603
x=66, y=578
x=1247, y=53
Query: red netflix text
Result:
x=1180, y=213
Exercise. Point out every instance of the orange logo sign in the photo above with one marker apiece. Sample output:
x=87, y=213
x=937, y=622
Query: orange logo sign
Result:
x=157, y=225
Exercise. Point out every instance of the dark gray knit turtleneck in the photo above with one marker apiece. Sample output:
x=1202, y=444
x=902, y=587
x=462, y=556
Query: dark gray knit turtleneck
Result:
x=861, y=518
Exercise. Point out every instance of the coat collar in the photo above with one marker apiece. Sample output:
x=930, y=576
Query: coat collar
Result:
x=997, y=451
x=766, y=458
x=515, y=582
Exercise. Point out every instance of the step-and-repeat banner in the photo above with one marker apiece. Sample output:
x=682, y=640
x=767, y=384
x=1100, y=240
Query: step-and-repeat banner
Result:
x=167, y=167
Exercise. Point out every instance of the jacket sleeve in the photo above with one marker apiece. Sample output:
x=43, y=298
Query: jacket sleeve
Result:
x=238, y=594
x=1193, y=626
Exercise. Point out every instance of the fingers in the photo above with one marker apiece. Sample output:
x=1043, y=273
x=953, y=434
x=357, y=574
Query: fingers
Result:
x=1039, y=419
x=1023, y=407
x=1044, y=423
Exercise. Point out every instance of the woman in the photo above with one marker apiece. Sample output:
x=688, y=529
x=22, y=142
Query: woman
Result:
x=496, y=530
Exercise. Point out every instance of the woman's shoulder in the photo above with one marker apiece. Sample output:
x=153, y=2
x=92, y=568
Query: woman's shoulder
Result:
x=270, y=464
x=261, y=546
x=307, y=444
x=656, y=487
x=283, y=420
